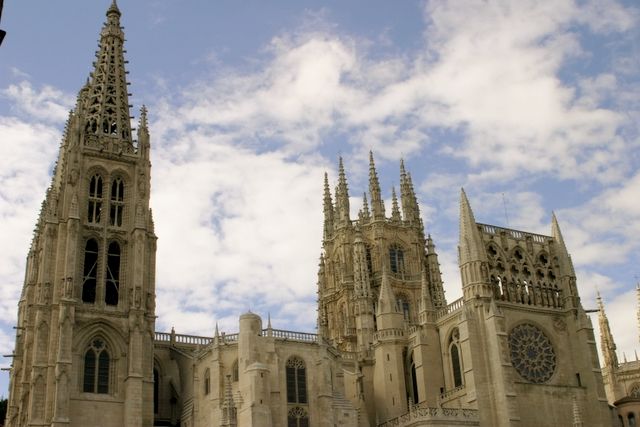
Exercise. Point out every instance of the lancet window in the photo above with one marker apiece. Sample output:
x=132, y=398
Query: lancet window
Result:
x=404, y=306
x=117, y=202
x=96, y=368
x=455, y=357
x=89, y=277
x=396, y=259
x=95, y=199
x=296, y=378
x=207, y=381
x=112, y=274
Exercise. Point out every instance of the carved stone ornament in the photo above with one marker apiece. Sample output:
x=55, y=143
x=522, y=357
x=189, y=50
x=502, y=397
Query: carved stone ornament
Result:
x=532, y=354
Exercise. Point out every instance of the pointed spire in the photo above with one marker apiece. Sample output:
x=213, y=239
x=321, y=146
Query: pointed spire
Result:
x=436, y=288
x=386, y=299
x=342, y=196
x=607, y=344
x=395, y=210
x=107, y=100
x=365, y=207
x=471, y=248
x=328, y=209
x=566, y=264
x=410, y=208
x=377, y=204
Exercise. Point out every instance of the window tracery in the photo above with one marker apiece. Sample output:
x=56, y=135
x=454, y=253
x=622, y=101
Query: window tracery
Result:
x=532, y=353
x=96, y=368
x=297, y=417
x=112, y=274
x=90, y=273
x=117, y=202
x=396, y=259
x=95, y=199
x=296, y=378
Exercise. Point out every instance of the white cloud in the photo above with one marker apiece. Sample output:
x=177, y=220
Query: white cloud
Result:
x=46, y=104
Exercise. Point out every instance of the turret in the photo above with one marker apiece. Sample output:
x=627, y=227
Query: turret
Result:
x=410, y=209
x=433, y=274
x=471, y=254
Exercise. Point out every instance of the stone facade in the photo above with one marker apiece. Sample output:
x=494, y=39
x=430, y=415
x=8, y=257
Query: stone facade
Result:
x=516, y=350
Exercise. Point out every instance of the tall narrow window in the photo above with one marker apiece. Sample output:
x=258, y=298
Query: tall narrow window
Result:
x=234, y=371
x=296, y=381
x=396, y=259
x=369, y=260
x=96, y=368
x=403, y=306
x=89, y=277
x=207, y=381
x=95, y=199
x=112, y=288
x=456, y=359
x=117, y=202
x=632, y=419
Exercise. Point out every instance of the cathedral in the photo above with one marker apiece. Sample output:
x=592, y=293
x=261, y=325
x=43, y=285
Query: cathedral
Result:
x=517, y=349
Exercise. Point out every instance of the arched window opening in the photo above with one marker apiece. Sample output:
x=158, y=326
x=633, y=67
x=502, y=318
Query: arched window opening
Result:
x=296, y=376
x=207, y=381
x=89, y=277
x=635, y=391
x=95, y=199
x=117, y=202
x=234, y=371
x=156, y=390
x=96, y=368
x=369, y=260
x=631, y=418
x=404, y=306
x=396, y=259
x=413, y=381
x=297, y=417
x=456, y=358
x=113, y=274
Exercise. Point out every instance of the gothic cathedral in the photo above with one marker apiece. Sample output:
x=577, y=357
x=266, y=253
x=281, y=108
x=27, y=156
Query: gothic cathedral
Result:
x=516, y=350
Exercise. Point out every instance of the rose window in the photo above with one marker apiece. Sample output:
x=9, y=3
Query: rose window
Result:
x=532, y=353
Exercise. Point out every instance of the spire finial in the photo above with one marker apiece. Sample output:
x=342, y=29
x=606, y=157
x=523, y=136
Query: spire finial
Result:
x=395, y=210
x=377, y=204
x=113, y=8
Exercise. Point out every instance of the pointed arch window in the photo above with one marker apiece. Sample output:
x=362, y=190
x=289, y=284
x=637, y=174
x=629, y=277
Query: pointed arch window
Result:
x=369, y=259
x=207, y=381
x=296, y=380
x=96, y=368
x=112, y=274
x=95, y=199
x=90, y=274
x=234, y=371
x=117, y=202
x=403, y=306
x=396, y=259
x=455, y=358
x=297, y=417
x=156, y=390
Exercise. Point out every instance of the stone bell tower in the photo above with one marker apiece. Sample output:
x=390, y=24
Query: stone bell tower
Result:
x=86, y=315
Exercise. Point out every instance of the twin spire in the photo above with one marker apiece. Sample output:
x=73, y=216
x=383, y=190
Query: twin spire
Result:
x=372, y=209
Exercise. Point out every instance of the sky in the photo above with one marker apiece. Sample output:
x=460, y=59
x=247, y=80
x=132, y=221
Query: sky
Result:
x=532, y=106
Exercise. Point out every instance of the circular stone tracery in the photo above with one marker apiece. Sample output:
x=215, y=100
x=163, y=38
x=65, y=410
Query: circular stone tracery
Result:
x=532, y=353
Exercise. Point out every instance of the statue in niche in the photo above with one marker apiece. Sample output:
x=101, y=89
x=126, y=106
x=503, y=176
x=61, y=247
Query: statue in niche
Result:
x=142, y=187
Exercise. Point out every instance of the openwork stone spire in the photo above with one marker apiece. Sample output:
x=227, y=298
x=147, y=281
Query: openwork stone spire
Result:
x=410, y=209
x=107, y=100
x=328, y=208
x=342, y=196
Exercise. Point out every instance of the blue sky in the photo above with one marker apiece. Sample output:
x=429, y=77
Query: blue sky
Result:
x=532, y=106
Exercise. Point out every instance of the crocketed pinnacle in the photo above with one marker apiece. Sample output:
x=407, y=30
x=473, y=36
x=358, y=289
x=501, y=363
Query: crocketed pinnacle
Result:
x=107, y=100
x=471, y=249
x=607, y=343
x=365, y=207
x=328, y=208
x=377, y=204
x=395, y=209
x=410, y=209
x=342, y=195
